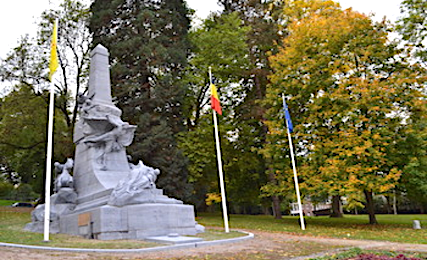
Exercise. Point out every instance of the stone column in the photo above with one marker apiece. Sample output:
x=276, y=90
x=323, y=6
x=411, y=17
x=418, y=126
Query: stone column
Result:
x=99, y=76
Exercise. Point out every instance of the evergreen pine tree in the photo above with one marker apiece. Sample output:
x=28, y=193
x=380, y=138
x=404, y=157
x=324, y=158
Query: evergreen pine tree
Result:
x=148, y=48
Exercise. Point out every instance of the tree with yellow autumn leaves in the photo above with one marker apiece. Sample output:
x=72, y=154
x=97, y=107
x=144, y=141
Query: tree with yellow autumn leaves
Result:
x=350, y=93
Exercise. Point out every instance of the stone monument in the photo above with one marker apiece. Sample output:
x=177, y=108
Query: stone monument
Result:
x=108, y=197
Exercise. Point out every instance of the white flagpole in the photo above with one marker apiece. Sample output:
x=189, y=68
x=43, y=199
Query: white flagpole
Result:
x=221, y=175
x=49, y=159
x=48, y=166
x=301, y=215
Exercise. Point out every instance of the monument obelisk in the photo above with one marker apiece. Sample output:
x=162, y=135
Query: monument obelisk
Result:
x=116, y=199
x=98, y=168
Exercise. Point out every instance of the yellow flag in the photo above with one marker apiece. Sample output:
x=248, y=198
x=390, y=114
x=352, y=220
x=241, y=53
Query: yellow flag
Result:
x=53, y=65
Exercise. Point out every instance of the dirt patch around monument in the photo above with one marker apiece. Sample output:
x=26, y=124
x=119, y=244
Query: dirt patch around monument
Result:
x=265, y=245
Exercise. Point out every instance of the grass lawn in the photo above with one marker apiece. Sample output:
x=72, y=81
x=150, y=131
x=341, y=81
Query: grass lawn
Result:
x=391, y=228
x=7, y=202
x=394, y=228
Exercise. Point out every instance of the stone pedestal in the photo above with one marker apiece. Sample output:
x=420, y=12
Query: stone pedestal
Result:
x=138, y=221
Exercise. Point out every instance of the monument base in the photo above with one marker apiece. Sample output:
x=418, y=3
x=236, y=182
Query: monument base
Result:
x=138, y=221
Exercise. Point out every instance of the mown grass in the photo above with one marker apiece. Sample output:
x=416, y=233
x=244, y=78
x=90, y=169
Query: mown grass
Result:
x=7, y=202
x=394, y=228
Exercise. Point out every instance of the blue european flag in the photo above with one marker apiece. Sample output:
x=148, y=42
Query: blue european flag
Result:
x=287, y=116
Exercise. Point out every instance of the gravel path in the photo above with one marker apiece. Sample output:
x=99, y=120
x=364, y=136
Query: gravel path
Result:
x=265, y=245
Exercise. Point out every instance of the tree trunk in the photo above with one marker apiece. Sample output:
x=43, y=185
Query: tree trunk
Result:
x=389, y=204
x=370, y=207
x=276, y=207
x=275, y=199
x=394, y=203
x=336, y=207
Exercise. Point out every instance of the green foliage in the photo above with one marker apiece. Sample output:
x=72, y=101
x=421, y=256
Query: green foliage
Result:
x=28, y=62
x=413, y=158
x=24, y=110
x=218, y=43
x=23, y=135
x=5, y=189
x=148, y=46
x=25, y=64
x=24, y=192
x=73, y=49
x=265, y=23
x=221, y=42
x=411, y=154
x=412, y=26
x=349, y=94
x=198, y=146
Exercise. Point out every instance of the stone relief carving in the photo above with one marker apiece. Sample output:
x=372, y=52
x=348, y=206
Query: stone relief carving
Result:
x=104, y=130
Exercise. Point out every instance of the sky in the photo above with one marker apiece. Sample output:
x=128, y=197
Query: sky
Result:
x=18, y=17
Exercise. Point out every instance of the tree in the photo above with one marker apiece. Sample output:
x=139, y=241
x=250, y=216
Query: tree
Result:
x=220, y=42
x=275, y=150
x=73, y=47
x=26, y=64
x=347, y=90
x=411, y=155
x=412, y=26
x=5, y=189
x=264, y=22
x=26, y=70
x=412, y=149
x=148, y=46
x=198, y=146
x=23, y=135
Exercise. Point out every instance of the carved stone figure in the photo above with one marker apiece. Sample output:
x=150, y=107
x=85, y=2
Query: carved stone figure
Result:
x=63, y=178
x=140, y=178
x=63, y=201
x=114, y=140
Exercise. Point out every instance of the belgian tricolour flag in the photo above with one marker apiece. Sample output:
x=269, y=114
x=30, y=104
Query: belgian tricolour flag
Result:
x=215, y=100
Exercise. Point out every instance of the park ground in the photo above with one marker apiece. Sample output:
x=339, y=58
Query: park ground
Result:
x=265, y=245
x=274, y=239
